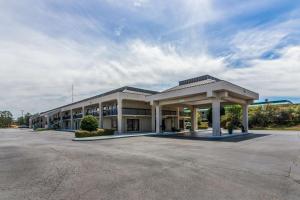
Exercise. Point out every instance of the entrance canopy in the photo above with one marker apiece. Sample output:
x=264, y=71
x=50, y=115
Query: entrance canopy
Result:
x=202, y=91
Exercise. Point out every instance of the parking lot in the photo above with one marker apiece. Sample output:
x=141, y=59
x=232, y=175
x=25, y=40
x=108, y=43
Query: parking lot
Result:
x=49, y=165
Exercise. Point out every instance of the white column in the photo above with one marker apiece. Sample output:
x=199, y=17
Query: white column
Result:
x=178, y=118
x=100, y=115
x=120, y=124
x=216, y=117
x=158, y=118
x=245, y=117
x=153, y=117
x=61, y=120
x=30, y=122
x=194, y=119
x=71, y=113
x=48, y=121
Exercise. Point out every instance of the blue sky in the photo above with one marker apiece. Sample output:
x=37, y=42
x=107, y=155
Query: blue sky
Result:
x=98, y=45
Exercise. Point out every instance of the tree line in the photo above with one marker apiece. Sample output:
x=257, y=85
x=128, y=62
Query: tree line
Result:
x=265, y=116
x=274, y=115
x=24, y=120
x=6, y=119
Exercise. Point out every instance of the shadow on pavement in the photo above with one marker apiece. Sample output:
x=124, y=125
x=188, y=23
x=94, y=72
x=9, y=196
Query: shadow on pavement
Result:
x=239, y=138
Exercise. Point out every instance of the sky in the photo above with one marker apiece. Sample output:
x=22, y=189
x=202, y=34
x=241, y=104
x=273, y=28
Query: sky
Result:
x=99, y=45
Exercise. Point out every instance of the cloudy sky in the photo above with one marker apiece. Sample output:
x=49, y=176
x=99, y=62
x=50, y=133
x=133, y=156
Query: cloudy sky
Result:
x=98, y=45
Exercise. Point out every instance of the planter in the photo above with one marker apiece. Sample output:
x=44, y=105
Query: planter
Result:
x=230, y=127
x=243, y=129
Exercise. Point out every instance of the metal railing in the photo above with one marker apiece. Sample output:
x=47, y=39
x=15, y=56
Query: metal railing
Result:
x=67, y=117
x=185, y=114
x=110, y=112
x=95, y=113
x=78, y=115
x=136, y=111
x=168, y=112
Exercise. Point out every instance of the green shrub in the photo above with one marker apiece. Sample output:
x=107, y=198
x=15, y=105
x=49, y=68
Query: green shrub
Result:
x=99, y=132
x=230, y=127
x=41, y=129
x=89, y=123
x=203, y=125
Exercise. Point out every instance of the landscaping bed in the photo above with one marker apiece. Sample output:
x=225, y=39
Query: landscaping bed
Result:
x=99, y=132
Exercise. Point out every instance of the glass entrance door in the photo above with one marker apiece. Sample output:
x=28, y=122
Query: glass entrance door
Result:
x=133, y=124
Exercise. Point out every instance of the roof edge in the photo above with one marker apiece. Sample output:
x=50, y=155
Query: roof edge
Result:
x=121, y=89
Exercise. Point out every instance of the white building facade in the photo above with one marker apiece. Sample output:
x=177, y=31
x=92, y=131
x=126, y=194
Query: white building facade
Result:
x=130, y=109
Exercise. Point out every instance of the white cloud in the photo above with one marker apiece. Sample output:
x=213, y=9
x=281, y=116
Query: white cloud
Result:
x=278, y=77
x=252, y=43
x=39, y=73
x=38, y=68
x=139, y=3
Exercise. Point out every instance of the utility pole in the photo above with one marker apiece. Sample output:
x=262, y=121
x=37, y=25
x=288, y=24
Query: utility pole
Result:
x=22, y=111
x=72, y=93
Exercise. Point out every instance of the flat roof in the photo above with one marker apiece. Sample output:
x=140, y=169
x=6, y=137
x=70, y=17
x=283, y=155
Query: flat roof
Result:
x=198, y=79
x=122, y=89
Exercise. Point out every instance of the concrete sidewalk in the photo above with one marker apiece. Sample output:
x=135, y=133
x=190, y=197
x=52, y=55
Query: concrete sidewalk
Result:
x=198, y=134
x=107, y=137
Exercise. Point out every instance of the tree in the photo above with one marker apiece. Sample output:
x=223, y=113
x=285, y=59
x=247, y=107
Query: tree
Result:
x=234, y=114
x=26, y=118
x=89, y=123
x=6, y=119
x=21, y=121
x=199, y=118
x=297, y=114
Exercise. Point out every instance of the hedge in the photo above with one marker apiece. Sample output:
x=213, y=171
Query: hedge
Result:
x=41, y=129
x=99, y=132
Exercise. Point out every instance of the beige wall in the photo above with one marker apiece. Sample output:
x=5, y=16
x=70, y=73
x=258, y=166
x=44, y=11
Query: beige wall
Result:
x=173, y=108
x=168, y=123
x=136, y=104
x=107, y=122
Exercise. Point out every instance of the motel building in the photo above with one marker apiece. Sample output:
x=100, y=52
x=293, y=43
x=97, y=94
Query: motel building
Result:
x=130, y=110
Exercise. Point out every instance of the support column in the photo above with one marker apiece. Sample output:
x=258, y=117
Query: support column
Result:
x=158, y=118
x=71, y=113
x=153, y=117
x=48, y=121
x=216, y=121
x=83, y=113
x=61, y=120
x=120, y=118
x=178, y=118
x=100, y=115
x=194, y=119
x=245, y=117
x=30, y=122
